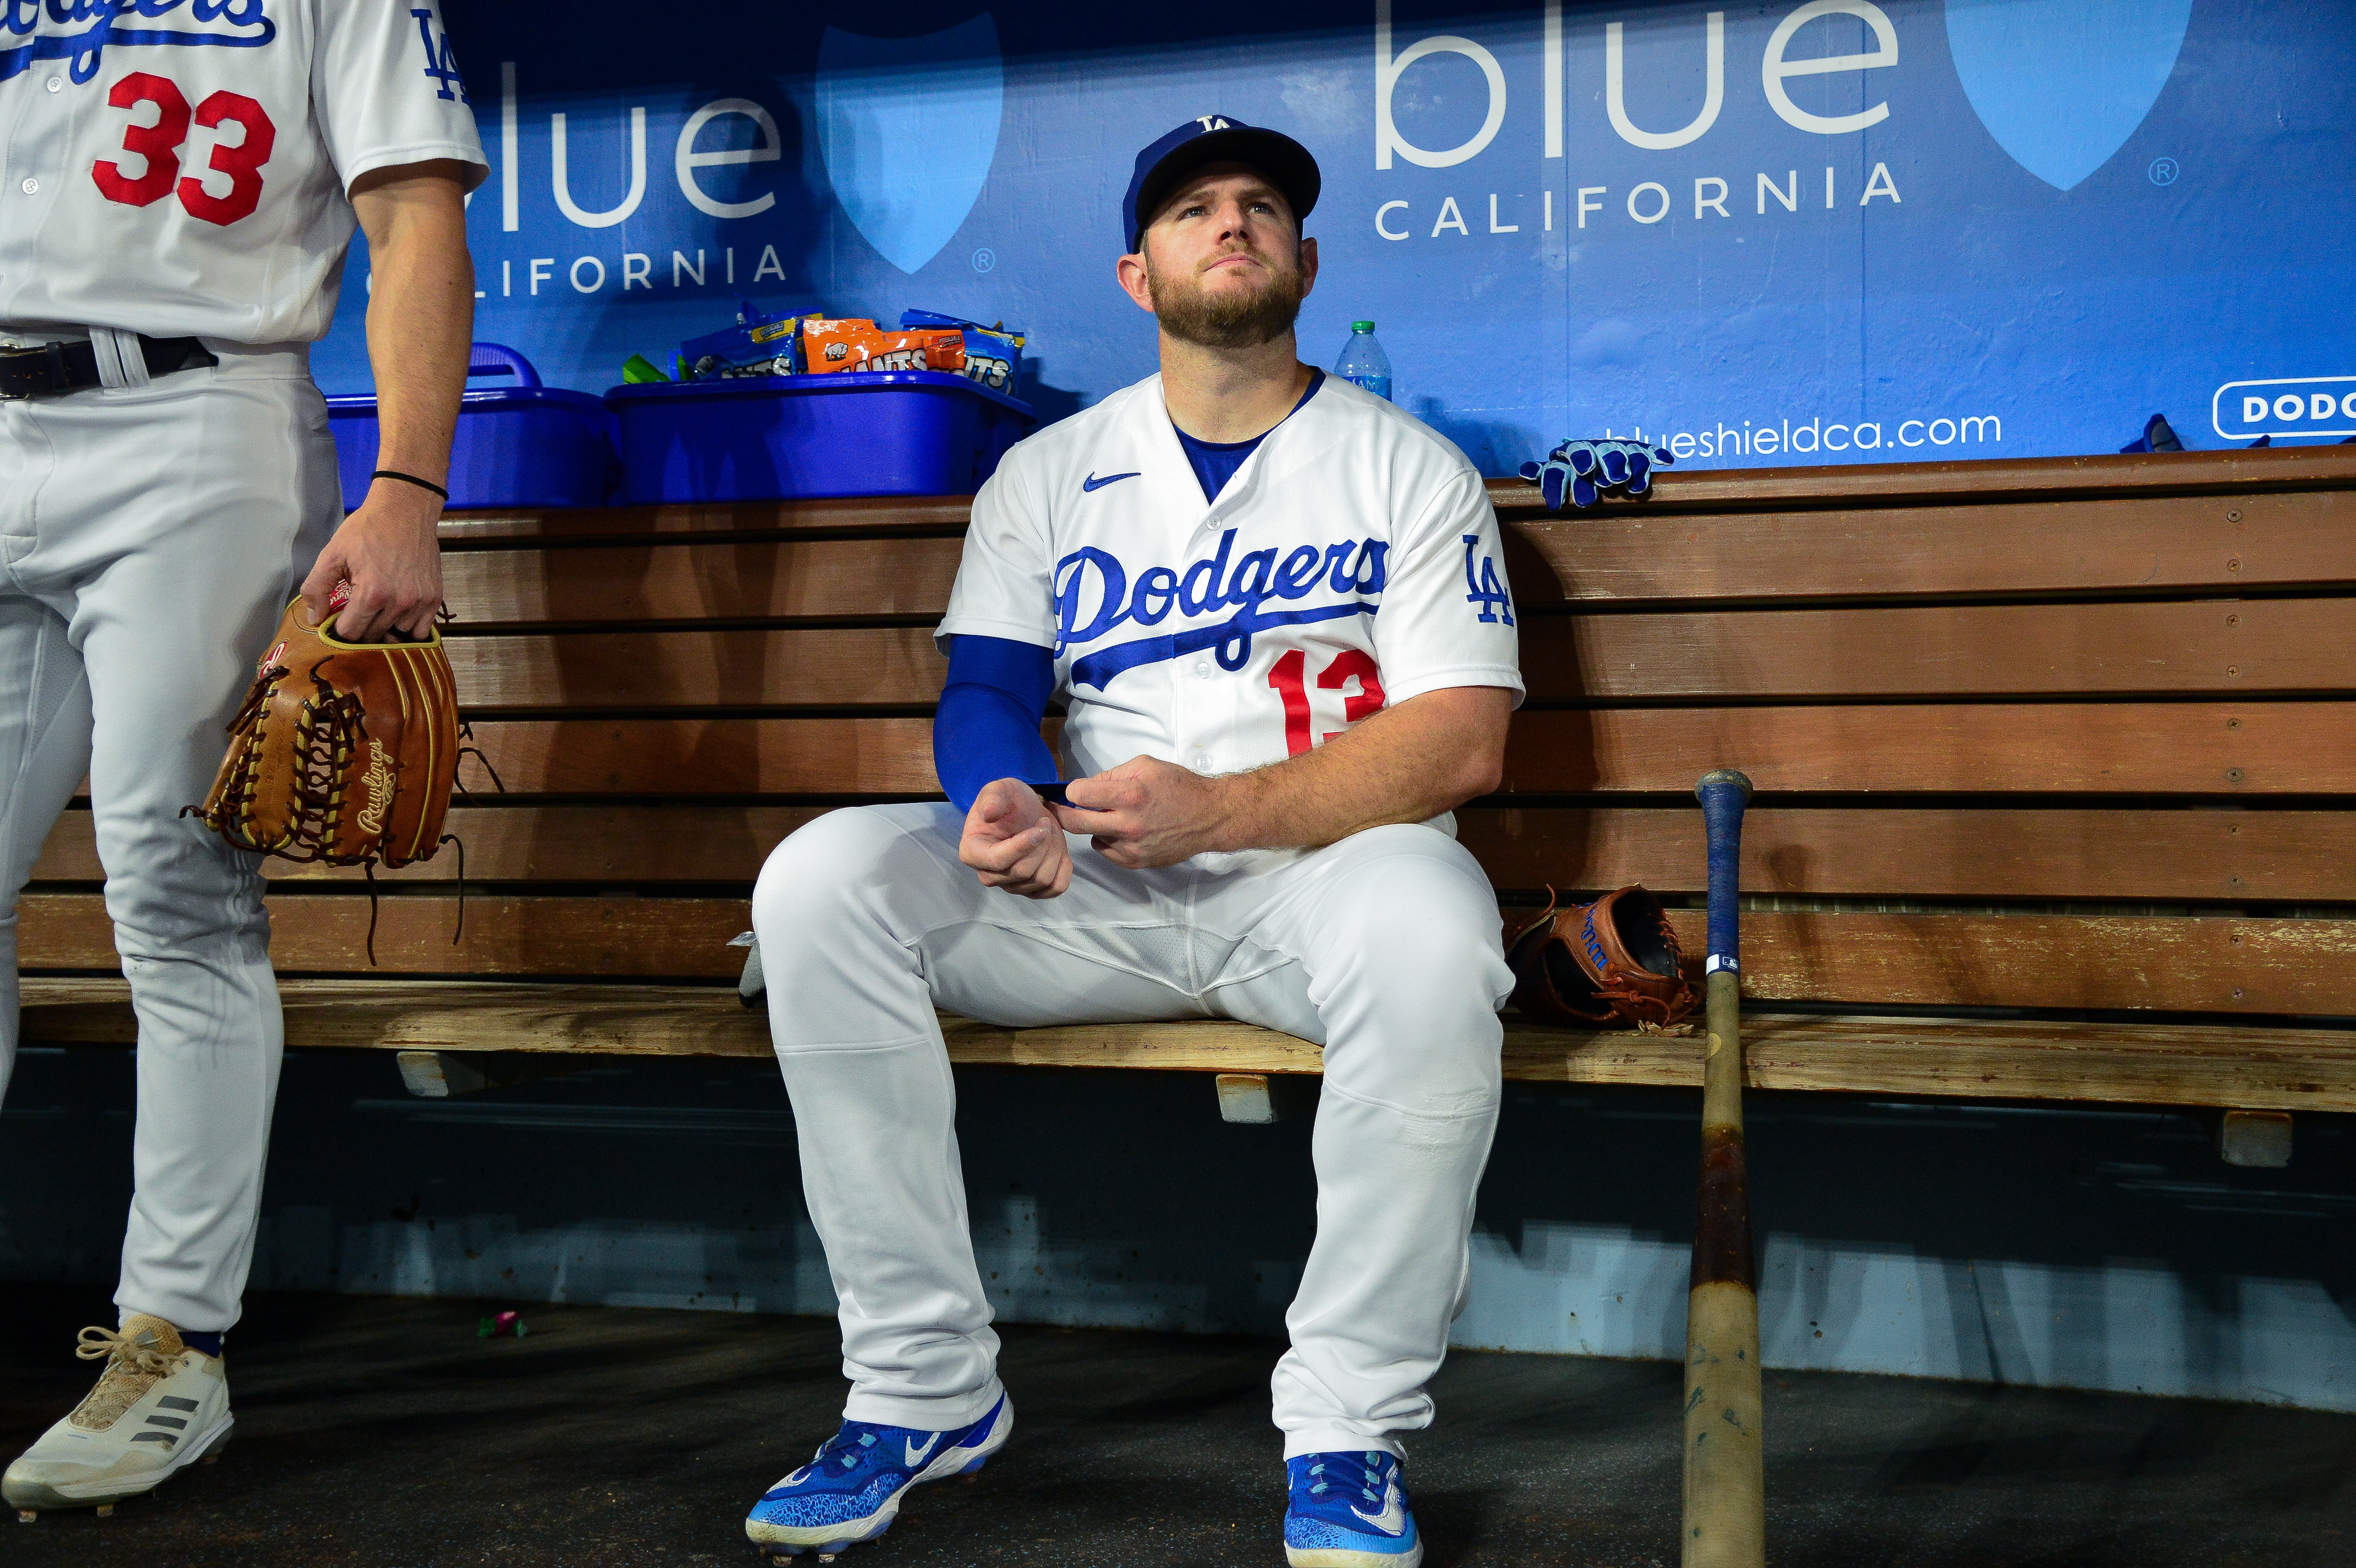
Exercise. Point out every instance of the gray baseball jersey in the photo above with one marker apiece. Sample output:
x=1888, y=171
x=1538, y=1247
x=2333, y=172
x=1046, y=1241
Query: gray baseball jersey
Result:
x=181, y=169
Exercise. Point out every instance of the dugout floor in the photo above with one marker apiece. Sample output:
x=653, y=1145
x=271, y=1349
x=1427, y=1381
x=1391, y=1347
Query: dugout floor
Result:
x=383, y=1432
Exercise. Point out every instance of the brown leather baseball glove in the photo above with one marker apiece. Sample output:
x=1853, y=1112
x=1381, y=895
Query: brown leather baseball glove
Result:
x=344, y=752
x=1613, y=961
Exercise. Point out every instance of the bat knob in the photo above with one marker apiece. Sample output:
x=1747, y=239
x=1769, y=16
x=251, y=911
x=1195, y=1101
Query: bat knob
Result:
x=1721, y=778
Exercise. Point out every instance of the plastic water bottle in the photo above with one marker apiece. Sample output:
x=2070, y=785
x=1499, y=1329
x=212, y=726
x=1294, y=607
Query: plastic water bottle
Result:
x=1364, y=362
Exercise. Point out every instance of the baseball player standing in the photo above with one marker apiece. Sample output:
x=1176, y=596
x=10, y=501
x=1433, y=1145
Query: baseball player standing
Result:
x=1272, y=604
x=179, y=188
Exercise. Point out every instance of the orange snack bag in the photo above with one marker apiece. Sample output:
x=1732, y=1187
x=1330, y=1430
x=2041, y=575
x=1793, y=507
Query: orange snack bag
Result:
x=836, y=345
x=943, y=349
x=856, y=344
x=918, y=350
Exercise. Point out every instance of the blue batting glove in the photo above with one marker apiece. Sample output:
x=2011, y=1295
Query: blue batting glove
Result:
x=1582, y=471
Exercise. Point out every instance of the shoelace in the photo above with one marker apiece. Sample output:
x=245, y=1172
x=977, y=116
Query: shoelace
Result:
x=847, y=1446
x=133, y=1366
x=1349, y=1475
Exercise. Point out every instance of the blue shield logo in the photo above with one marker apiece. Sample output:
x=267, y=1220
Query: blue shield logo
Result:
x=908, y=128
x=2061, y=84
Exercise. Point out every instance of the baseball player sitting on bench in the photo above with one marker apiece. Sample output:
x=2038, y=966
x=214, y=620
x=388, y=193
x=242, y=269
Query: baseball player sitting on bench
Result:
x=1272, y=604
x=177, y=217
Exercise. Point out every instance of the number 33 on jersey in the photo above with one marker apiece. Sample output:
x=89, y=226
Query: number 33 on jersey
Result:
x=179, y=167
x=1349, y=565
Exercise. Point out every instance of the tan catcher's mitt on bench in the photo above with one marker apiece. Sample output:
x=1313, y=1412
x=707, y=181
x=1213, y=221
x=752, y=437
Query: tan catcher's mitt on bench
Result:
x=344, y=752
x=1614, y=961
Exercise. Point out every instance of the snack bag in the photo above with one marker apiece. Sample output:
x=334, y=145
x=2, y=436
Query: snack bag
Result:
x=913, y=351
x=836, y=345
x=856, y=344
x=992, y=356
x=758, y=345
x=945, y=351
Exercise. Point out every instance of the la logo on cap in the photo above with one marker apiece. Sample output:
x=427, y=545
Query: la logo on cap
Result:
x=1213, y=138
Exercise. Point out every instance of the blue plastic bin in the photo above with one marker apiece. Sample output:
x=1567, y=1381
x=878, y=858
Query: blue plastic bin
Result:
x=526, y=446
x=853, y=432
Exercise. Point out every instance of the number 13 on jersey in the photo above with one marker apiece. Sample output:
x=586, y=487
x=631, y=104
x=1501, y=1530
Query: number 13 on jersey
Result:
x=1290, y=679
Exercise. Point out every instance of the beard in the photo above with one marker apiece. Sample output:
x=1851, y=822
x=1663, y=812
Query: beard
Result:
x=1232, y=319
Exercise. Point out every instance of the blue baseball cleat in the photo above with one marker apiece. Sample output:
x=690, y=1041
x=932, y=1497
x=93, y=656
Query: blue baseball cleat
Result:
x=1348, y=1510
x=851, y=1490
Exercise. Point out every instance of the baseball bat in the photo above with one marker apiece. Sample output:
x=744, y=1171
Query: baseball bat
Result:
x=1725, y=1479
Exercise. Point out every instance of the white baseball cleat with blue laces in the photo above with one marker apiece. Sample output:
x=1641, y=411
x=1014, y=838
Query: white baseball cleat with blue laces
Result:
x=851, y=1490
x=1348, y=1510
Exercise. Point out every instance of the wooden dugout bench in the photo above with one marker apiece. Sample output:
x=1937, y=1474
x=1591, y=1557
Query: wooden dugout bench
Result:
x=2056, y=762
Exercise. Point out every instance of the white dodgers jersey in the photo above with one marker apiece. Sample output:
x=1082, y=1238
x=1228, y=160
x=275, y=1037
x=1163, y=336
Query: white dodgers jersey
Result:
x=1350, y=563
x=179, y=167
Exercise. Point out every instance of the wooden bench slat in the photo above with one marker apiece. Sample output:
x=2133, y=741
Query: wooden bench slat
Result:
x=2234, y=472
x=553, y=844
x=2230, y=476
x=2253, y=646
x=2237, y=645
x=2163, y=1064
x=1965, y=747
x=690, y=757
x=689, y=582
x=2290, y=857
x=2173, y=1064
x=2281, y=857
x=2178, y=964
x=876, y=515
x=2042, y=547
x=505, y=934
x=2168, y=964
x=583, y=671
x=2184, y=544
x=2248, y=748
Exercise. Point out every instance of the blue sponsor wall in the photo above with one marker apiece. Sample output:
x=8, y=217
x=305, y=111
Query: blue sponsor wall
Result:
x=1781, y=234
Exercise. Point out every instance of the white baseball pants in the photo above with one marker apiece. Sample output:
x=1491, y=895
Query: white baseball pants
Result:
x=1383, y=948
x=150, y=538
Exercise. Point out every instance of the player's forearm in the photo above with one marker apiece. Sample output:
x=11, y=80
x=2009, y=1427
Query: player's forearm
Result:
x=1429, y=754
x=421, y=316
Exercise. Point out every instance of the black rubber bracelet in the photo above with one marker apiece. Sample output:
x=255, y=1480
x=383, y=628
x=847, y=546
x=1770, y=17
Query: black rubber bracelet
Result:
x=411, y=479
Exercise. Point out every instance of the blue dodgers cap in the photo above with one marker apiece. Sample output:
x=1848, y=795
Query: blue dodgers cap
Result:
x=1216, y=139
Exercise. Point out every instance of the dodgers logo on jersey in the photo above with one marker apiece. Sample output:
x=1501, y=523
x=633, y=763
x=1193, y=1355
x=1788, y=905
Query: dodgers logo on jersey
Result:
x=221, y=24
x=1487, y=591
x=1093, y=583
x=442, y=60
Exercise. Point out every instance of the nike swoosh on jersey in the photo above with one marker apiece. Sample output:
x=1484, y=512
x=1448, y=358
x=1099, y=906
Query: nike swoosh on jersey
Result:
x=1093, y=484
x=918, y=1456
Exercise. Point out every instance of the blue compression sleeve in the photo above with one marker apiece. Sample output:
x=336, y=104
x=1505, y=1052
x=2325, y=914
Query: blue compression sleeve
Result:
x=987, y=727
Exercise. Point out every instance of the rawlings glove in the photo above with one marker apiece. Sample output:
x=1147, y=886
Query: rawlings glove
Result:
x=1614, y=961
x=344, y=752
x=1580, y=470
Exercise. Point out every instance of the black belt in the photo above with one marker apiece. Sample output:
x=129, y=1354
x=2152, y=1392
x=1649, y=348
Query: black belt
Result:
x=49, y=368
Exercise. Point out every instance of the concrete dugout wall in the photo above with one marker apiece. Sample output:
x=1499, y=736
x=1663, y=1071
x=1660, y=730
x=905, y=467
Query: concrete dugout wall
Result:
x=2077, y=1246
